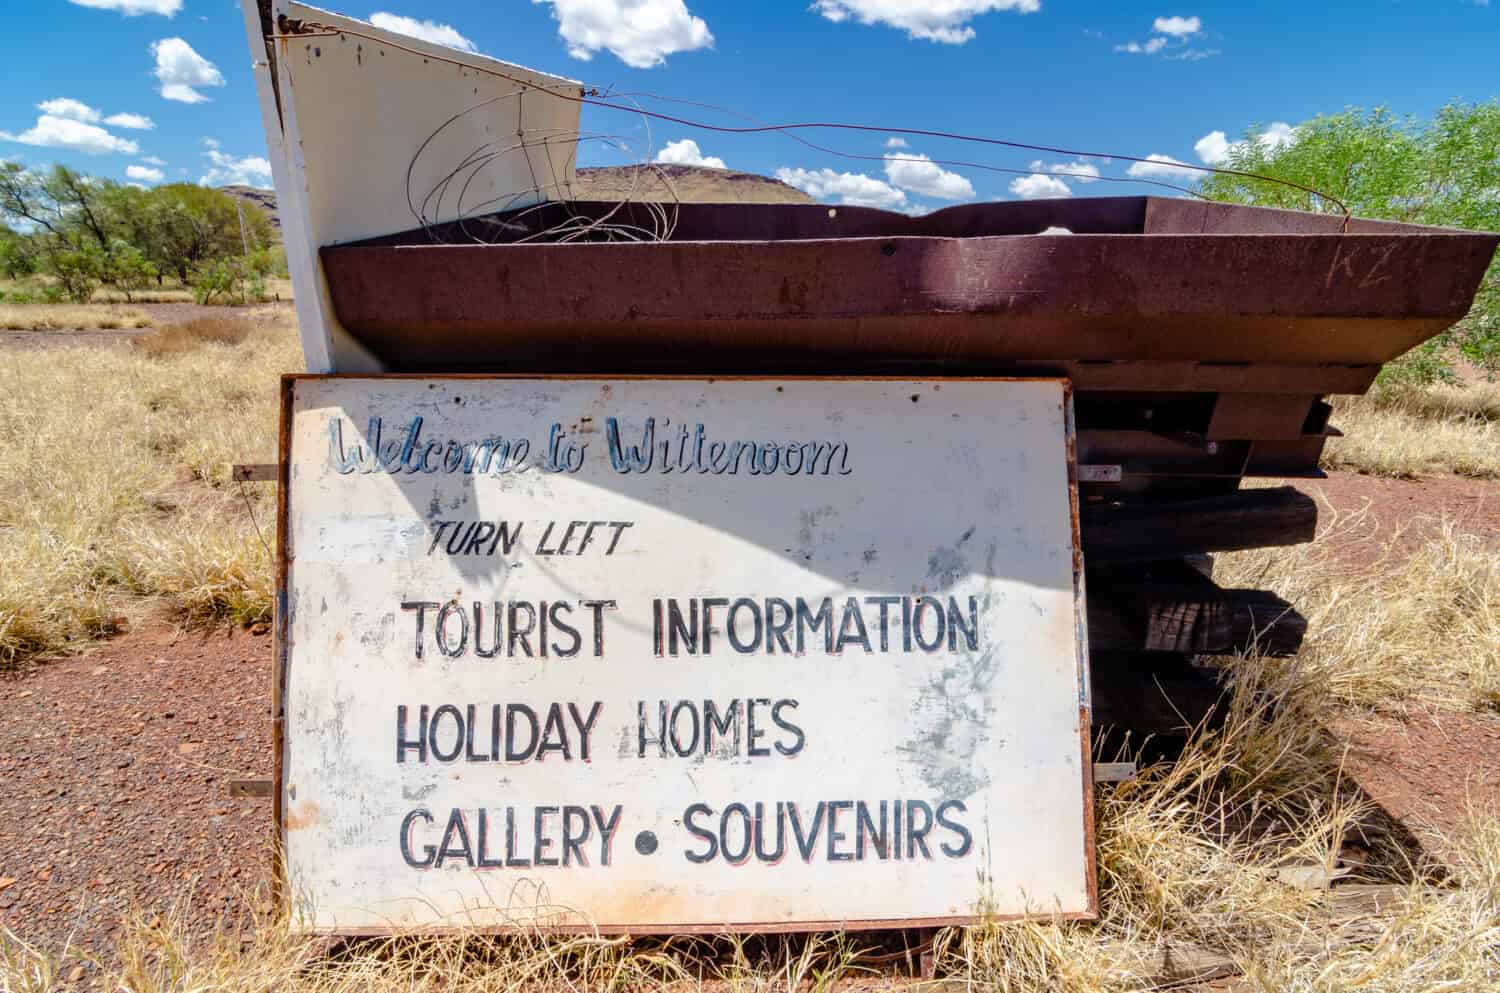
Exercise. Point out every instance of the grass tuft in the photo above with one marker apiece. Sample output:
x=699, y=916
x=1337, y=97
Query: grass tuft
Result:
x=1409, y=432
x=62, y=317
x=114, y=481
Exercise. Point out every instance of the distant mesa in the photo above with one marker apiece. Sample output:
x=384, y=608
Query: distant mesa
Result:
x=690, y=184
x=263, y=200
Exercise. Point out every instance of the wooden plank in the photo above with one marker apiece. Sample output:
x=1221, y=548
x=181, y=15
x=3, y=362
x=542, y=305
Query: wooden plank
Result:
x=1262, y=623
x=1155, y=694
x=1156, y=531
x=256, y=472
x=1172, y=606
x=240, y=788
x=1114, y=772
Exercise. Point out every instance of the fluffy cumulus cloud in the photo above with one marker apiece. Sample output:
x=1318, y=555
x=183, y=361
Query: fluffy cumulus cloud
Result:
x=1177, y=27
x=135, y=122
x=130, y=8
x=1079, y=171
x=144, y=174
x=1039, y=187
x=919, y=174
x=851, y=188
x=226, y=170
x=640, y=33
x=77, y=110
x=1215, y=147
x=946, y=21
x=438, y=34
x=74, y=110
x=1158, y=166
x=1172, y=39
x=182, y=72
x=153, y=160
x=687, y=152
x=52, y=131
x=894, y=142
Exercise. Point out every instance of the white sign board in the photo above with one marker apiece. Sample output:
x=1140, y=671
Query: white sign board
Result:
x=680, y=654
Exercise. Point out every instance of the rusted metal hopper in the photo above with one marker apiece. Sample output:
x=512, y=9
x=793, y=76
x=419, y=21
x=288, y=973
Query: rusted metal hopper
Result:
x=1201, y=337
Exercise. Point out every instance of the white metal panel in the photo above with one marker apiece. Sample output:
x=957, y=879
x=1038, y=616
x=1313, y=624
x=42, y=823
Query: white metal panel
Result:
x=355, y=112
x=954, y=490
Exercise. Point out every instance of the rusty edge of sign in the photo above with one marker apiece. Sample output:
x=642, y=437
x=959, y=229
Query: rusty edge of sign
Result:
x=279, y=889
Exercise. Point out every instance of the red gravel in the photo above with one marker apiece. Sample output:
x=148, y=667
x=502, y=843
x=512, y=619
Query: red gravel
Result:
x=116, y=766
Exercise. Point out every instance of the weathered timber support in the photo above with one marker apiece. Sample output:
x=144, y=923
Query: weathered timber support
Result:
x=1155, y=531
x=1172, y=607
x=1155, y=694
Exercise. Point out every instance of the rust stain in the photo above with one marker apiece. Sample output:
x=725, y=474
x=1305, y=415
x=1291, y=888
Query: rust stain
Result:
x=303, y=815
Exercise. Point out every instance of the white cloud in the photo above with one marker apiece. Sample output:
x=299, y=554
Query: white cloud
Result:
x=894, y=142
x=1212, y=148
x=181, y=71
x=946, y=21
x=135, y=122
x=144, y=174
x=1037, y=187
x=1151, y=47
x=919, y=174
x=1079, y=170
x=1172, y=39
x=686, y=152
x=131, y=8
x=1158, y=166
x=438, y=34
x=640, y=33
x=1215, y=147
x=226, y=170
x=73, y=110
x=853, y=189
x=76, y=136
x=1177, y=27
x=153, y=160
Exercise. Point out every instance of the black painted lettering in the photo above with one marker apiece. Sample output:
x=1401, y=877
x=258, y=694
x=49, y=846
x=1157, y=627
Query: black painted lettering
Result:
x=421, y=607
x=966, y=840
x=405, y=744
x=427, y=850
x=697, y=831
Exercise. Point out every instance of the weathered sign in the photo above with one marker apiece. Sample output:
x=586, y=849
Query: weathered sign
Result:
x=680, y=654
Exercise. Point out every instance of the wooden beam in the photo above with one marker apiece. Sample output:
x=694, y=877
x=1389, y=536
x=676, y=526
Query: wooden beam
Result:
x=1155, y=531
x=1172, y=607
x=1156, y=694
x=256, y=472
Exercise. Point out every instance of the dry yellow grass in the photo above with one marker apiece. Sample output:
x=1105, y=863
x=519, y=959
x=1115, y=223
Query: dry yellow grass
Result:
x=1416, y=432
x=133, y=506
x=68, y=317
x=1422, y=630
x=114, y=490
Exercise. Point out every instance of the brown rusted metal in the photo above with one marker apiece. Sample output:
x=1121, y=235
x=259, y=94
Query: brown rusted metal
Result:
x=1141, y=279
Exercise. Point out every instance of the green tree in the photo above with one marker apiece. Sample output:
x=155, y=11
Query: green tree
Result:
x=79, y=271
x=127, y=268
x=1445, y=171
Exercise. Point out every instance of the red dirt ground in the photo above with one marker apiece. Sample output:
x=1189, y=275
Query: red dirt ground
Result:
x=116, y=762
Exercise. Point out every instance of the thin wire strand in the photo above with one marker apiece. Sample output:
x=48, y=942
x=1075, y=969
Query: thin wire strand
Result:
x=289, y=29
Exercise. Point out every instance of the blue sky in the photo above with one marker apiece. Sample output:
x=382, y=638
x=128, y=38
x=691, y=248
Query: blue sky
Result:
x=1141, y=78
